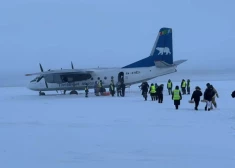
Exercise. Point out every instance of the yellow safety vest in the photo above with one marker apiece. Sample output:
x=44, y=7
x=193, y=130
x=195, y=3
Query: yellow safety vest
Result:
x=169, y=85
x=86, y=88
x=176, y=95
x=153, y=89
x=184, y=84
x=111, y=86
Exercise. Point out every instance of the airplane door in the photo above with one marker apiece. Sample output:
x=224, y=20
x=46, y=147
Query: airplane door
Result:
x=121, y=77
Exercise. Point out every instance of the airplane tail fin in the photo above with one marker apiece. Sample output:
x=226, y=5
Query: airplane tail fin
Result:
x=162, y=50
x=163, y=47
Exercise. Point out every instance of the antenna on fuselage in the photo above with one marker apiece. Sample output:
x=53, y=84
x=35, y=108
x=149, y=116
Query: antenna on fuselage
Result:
x=72, y=65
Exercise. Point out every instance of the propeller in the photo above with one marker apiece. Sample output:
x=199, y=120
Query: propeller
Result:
x=72, y=65
x=42, y=71
x=41, y=67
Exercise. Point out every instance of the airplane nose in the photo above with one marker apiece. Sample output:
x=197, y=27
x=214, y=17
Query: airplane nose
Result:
x=30, y=86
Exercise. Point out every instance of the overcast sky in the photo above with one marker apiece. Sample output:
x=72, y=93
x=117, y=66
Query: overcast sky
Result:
x=110, y=33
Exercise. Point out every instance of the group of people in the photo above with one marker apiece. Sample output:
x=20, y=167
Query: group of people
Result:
x=156, y=93
x=209, y=97
x=99, y=89
x=185, y=86
x=120, y=88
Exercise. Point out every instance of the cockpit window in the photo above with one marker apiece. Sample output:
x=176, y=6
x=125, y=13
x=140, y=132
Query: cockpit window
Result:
x=34, y=80
x=37, y=79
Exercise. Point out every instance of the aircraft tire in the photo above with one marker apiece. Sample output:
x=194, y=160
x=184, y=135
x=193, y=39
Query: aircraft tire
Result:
x=42, y=94
x=74, y=92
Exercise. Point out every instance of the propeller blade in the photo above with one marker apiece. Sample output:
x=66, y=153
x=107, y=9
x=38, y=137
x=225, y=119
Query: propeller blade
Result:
x=46, y=84
x=72, y=65
x=41, y=67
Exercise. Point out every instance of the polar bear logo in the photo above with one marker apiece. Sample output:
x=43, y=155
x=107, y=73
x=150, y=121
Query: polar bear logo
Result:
x=162, y=50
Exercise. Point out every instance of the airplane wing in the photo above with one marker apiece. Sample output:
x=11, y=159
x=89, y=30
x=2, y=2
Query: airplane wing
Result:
x=63, y=71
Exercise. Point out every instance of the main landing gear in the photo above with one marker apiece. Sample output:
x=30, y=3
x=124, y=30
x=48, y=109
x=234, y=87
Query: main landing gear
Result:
x=41, y=93
x=74, y=92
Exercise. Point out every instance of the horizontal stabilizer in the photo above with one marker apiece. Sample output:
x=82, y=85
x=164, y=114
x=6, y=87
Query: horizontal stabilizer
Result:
x=162, y=64
x=178, y=62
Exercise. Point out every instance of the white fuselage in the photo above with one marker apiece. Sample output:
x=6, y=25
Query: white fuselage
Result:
x=131, y=76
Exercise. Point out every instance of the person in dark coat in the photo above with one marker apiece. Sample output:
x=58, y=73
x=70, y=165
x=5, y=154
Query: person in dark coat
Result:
x=233, y=94
x=156, y=95
x=145, y=88
x=208, y=94
x=176, y=96
x=160, y=93
x=123, y=87
x=118, y=88
x=196, y=96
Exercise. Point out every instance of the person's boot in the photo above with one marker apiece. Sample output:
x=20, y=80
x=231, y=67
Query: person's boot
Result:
x=206, y=108
x=215, y=105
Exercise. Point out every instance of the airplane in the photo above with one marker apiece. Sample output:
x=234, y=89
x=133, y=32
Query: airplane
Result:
x=158, y=63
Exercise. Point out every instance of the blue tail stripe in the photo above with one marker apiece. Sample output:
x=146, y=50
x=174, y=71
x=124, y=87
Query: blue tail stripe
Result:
x=162, y=50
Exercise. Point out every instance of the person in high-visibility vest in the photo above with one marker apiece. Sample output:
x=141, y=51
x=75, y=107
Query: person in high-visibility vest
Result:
x=183, y=86
x=152, y=92
x=188, y=86
x=169, y=86
x=176, y=96
x=86, y=90
x=112, y=89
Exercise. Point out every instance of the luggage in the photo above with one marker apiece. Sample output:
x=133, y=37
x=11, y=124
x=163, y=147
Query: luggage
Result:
x=105, y=93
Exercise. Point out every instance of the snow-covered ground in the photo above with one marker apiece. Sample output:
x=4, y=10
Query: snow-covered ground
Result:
x=63, y=131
